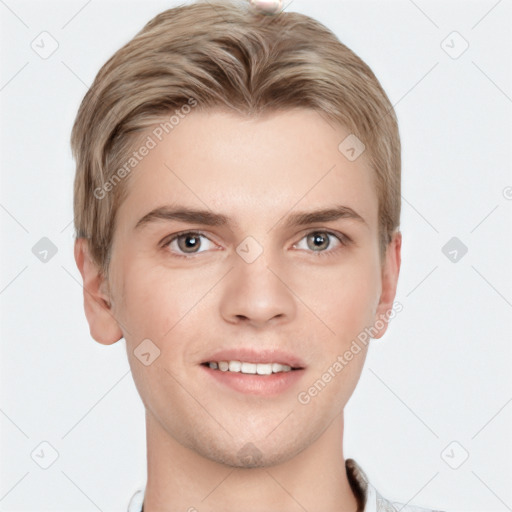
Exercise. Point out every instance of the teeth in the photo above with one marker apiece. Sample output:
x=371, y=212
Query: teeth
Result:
x=264, y=369
x=235, y=366
x=276, y=367
x=249, y=368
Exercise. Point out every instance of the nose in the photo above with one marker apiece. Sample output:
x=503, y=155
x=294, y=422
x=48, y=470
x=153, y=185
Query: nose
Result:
x=257, y=294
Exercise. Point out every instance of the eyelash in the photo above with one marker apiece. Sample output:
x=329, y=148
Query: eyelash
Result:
x=343, y=239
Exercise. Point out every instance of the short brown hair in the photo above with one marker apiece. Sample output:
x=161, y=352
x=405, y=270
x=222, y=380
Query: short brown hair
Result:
x=223, y=54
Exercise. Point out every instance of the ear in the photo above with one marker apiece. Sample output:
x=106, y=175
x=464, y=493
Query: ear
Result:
x=103, y=326
x=390, y=271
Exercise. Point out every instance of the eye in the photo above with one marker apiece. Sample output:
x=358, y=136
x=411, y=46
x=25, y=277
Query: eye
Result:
x=318, y=241
x=188, y=243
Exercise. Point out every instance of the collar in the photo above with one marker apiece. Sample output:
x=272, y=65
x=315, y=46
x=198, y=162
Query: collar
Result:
x=368, y=499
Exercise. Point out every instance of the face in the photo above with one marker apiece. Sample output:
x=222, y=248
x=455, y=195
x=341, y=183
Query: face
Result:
x=230, y=268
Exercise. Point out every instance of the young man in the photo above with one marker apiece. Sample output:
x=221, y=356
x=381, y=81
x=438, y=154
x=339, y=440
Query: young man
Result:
x=237, y=203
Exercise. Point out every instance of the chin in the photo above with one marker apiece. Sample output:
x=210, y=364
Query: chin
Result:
x=250, y=455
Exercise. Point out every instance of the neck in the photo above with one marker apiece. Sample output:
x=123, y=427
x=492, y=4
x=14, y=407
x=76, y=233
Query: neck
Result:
x=179, y=479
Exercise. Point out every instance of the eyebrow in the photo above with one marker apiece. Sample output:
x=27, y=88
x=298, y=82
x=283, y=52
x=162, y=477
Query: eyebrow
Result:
x=209, y=218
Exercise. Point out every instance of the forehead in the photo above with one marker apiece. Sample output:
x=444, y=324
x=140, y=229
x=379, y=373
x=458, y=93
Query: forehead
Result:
x=258, y=167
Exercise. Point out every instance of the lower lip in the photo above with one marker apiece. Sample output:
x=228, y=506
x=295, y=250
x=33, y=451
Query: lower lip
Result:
x=255, y=384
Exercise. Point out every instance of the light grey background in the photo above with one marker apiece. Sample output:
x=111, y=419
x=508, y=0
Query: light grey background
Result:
x=436, y=386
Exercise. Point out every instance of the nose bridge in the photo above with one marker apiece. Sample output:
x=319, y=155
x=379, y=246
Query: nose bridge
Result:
x=256, y=292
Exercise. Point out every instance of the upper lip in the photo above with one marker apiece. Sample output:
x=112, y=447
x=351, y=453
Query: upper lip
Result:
x=248, y=355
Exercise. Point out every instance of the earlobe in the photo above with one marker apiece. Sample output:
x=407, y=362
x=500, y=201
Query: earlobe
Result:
x=389, y=277
x=103, y=326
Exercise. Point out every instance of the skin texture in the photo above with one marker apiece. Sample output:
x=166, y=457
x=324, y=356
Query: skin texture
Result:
x=257, y=171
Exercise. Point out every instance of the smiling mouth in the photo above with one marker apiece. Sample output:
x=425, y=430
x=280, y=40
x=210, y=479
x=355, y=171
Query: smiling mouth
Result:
x=250, y=368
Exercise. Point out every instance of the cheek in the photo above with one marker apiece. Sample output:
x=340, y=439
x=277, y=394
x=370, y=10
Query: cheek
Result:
x=353, y=299
x=158, y=301
x=342, y=297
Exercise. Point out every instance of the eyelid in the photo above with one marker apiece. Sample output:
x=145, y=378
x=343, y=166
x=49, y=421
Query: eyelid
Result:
x=343, y=238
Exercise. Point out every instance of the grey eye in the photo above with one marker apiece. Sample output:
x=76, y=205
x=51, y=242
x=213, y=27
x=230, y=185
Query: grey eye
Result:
x=318, y=240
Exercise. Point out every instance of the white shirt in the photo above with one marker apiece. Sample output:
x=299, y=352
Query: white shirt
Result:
x=369, y=499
